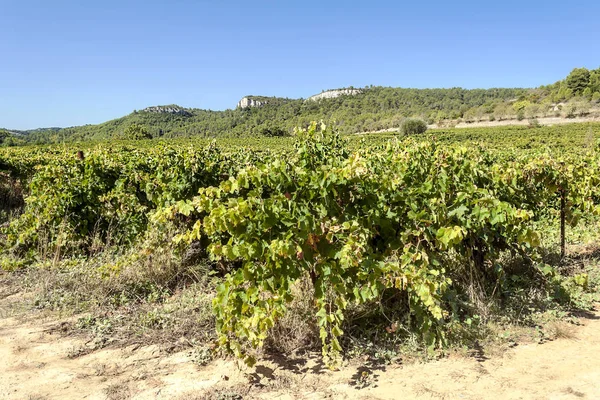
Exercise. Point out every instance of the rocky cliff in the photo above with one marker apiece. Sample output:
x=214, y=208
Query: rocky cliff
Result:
x=167, y=110
x=248, y=101
x=330, y=94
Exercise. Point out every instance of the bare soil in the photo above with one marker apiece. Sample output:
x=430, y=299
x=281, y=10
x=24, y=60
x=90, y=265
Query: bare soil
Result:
x=544, y=121
x=40, y=361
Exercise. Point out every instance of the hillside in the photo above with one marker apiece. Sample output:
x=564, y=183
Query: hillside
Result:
x=371, y=109
x=354, y=110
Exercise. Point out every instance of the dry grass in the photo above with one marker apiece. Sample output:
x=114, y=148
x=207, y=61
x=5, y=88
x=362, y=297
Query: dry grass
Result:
x=231, y=392
x=297, y=330
x=147, y=300
x=117, y=391
x=560, y=330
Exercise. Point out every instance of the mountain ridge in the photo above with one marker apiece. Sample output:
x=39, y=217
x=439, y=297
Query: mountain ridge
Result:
x=352, y=110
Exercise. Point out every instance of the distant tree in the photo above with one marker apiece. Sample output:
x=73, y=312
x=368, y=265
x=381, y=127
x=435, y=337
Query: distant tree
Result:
x=8, y=139
x=413, y=126
x=4, y=134
x=578, y=80
x=532, y=110
x=481, y=113
x=440, y=117
x=569, y=110
x=469, y=115
x=577, y=106
x=595, y=80
x=521, y=105
x=563, y=93
x=582, y=106
x=136, y=132
x=502, y=111
x=273, y=131
x=13, y=141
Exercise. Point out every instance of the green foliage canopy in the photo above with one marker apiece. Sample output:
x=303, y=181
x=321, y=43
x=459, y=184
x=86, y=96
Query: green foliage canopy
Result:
x=136, y=132
x=413, y=126
x=578, y=80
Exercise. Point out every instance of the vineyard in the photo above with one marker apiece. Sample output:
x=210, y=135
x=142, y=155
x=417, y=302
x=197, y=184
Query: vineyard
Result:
x=420, y=237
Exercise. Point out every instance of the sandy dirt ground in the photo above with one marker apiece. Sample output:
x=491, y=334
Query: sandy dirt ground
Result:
x=542, y=121
x=37, y=361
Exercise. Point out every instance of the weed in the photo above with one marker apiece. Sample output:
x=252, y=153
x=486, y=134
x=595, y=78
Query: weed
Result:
x=560, y=330
x=117, y=391
x=202, y=355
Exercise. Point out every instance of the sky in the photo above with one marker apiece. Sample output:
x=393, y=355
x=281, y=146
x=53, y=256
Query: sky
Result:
x=66, y=63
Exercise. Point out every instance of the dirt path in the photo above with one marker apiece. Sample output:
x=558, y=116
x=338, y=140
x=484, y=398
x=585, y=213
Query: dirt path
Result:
x=545, y=121
x=542, y=121
x=38, y=364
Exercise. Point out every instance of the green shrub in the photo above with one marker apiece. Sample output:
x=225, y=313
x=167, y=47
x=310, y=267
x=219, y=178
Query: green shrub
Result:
x=413, y=126
x=345, y=223
x=136, y=132
x=273, y=131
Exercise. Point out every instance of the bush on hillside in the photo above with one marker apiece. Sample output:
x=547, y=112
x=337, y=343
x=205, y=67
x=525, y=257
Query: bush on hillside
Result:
x=136, y=132
x=413, y=126
x=273, y=131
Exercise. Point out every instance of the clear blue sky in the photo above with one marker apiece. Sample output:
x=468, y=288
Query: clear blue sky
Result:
x=65, y=63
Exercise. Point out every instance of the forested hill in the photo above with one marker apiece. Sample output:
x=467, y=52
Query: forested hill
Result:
x=353, y=110
x=371, y=109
